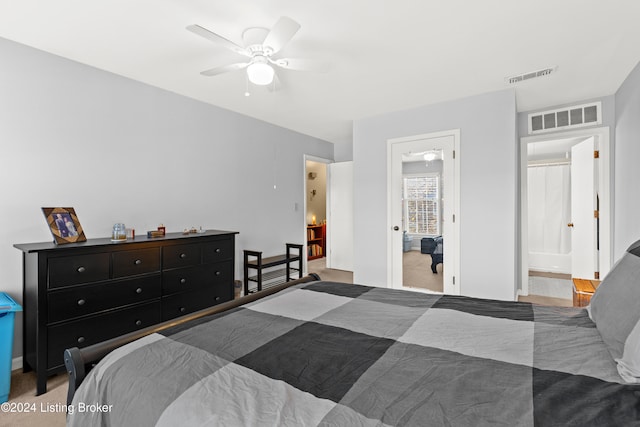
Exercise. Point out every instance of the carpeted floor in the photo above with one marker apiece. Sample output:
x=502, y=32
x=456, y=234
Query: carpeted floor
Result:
x=416, y=272
x=35, y=411
x=319, y=266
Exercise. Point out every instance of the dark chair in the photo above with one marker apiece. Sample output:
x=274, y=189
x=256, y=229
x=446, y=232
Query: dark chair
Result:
x=433, y=247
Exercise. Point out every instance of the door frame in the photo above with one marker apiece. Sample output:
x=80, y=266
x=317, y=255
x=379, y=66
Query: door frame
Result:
x=311, y=158
x=605, y=254
x=452, y=250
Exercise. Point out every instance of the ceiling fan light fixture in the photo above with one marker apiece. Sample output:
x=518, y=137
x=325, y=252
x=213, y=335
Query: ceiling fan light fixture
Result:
x=260, y=72
x=430, y=156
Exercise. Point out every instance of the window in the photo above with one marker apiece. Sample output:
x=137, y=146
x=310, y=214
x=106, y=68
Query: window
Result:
x=422, y=204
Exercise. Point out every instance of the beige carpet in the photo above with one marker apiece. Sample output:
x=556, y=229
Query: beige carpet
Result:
x=44, y=410
x=319, y=266
x=416, y=272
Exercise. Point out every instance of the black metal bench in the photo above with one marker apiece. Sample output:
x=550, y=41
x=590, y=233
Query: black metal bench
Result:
x=271, y=277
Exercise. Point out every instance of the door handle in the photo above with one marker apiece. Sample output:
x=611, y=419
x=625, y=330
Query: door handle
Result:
x=570, y=224
x=396, y=228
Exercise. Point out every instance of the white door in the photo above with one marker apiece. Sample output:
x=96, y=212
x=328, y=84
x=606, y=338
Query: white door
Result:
x=584, y=256
x=445, y=143
x=340, y=216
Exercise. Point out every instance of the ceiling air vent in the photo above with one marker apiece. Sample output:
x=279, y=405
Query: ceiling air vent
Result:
x=530, y=75
x=566, y=118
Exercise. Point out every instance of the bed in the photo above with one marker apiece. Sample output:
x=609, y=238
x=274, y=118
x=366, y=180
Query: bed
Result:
x=313, y=352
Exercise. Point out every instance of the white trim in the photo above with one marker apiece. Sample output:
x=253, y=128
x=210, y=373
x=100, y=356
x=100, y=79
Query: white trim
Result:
x=604, y=191
x=311, y=158
x=454, y=250
x=16, y=363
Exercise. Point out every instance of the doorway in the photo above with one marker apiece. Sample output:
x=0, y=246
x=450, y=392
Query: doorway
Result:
x=565, y=211
x=432, y=217
x=315, y=214
x=328, y=216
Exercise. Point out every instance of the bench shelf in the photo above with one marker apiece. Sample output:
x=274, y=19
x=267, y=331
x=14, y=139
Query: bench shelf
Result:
x=266, y=274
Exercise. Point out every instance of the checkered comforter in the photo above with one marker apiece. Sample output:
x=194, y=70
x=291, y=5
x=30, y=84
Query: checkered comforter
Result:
x=348, y=355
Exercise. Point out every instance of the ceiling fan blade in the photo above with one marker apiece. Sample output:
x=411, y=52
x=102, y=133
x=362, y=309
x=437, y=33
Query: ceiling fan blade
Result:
x=281, y=33
x=224, y=69
x=209, y=35
x=302, y=64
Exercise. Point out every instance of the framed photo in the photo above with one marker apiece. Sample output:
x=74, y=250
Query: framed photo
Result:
x=64, y=225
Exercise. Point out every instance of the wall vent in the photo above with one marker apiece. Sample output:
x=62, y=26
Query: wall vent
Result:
x=530, y=75
x=566, y=118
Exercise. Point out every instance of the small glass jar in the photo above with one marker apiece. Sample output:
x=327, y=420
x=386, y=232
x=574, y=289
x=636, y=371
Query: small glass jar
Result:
x=119, y=232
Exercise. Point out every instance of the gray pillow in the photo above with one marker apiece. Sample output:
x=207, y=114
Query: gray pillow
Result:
x=615, y=309
x=629, y=364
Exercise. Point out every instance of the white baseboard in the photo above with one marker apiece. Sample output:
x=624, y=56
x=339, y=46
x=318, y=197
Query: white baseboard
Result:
x=16, y=363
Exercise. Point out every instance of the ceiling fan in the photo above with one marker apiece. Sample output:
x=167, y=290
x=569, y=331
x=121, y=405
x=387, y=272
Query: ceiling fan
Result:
x=260, y=45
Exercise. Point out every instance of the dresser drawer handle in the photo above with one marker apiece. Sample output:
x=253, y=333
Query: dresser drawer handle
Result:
x=183, y=281
x=81, y=269
x=139, y=291
x=182, y=309
x=80, y=340
x=138, y=262
x=138, y=322
x=218, y=273
x=217, y=250
x=183, y=256
x=81, y=302
x=217, y=298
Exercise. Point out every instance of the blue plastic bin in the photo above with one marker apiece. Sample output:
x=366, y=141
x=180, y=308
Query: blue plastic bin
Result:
x=8, y=308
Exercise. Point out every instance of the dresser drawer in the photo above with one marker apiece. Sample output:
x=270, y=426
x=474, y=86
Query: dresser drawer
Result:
x=180, y=304
x=192, y=278
x=84, y=332
x=180, y=256
x=220, y=250
x=71, y=270
x=79, y=301
x=140, y=261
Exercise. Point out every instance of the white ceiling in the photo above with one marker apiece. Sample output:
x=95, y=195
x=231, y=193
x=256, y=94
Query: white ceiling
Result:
x=385, y=55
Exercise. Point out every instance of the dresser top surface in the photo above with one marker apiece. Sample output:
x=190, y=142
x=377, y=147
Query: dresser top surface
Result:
x=106, y=241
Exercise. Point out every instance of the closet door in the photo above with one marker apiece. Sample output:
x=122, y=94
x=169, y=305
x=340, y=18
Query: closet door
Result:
x=584, y=256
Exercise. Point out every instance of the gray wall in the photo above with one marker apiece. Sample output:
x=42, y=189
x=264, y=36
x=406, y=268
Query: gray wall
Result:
x=627, y=159
x=487, y=213
x=121, y=151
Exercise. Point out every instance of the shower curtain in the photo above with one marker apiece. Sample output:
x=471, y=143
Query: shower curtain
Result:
x=549, y=196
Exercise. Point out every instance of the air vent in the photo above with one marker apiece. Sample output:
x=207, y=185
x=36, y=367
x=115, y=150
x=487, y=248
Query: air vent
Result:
x=566, y=118
x=530, y=75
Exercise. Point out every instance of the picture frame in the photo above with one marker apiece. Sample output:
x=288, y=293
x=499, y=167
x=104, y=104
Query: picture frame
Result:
x=64, y=225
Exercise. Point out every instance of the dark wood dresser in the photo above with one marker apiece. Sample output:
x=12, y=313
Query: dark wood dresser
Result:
x=79, y=294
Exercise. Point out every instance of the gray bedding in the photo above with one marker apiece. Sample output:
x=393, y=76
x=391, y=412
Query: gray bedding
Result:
x=349, y=355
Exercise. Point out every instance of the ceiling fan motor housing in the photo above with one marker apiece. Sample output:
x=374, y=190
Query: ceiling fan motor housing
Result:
x=253, y=38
